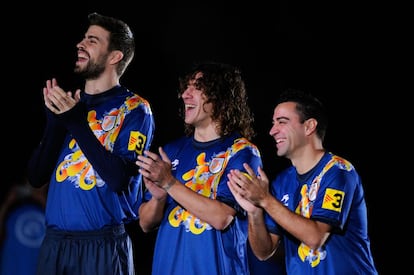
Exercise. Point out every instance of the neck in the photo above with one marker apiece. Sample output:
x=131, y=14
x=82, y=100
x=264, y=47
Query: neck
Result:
x=307, y=160
x=101, y=84
x=206, y=134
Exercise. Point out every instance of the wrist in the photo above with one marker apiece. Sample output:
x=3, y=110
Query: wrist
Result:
x=167, y=186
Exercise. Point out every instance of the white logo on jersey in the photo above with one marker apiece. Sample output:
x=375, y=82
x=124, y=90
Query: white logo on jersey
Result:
x=285, y=199
x=175, y=164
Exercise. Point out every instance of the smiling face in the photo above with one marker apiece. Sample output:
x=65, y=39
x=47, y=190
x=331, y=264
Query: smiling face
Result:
x=288, y=131
x=93, y=53
x=198, y=113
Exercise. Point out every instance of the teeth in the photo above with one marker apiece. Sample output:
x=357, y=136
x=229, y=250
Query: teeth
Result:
x=188, y=106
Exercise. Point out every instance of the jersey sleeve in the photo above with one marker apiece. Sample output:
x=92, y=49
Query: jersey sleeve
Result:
x=242, y=152
x=335, y=196
x=43, y=158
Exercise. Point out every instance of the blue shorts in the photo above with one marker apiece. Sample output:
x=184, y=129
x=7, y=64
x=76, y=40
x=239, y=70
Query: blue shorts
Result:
x=106, y=251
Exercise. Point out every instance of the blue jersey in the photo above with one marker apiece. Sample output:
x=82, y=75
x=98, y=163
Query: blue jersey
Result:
x=186, y=244
x=25, y=230
x=332, y=193
x=79, y=199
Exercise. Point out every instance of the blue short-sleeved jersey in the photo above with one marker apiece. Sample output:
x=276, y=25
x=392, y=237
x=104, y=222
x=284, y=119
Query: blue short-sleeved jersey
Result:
x=186, y=244
x=331, y=192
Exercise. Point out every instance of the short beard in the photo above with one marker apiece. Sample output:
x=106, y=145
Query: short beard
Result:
x=92, y=70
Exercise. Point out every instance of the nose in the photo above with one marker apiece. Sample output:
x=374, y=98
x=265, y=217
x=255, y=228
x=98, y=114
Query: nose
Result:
x=273, y=130
x=187, y=93
x=80, y=44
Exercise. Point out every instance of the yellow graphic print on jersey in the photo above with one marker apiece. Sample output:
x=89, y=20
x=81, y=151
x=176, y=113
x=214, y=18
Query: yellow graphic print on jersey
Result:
x=75, y=167
x=204, y=180
x=137, y=142
x=332, y=200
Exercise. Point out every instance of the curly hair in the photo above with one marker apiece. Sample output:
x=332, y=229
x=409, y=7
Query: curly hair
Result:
x=224, y=87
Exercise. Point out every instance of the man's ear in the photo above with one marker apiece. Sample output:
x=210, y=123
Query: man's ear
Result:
x=310, y=125
x=115, y=57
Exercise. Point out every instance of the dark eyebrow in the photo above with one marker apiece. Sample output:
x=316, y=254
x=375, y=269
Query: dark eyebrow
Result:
x=92, y=37
x=282, y=117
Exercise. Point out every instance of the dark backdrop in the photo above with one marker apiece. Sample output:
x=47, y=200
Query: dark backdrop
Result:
x=325, y=49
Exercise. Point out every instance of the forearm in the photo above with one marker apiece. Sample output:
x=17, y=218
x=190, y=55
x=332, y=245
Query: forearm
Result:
x=113, y=169
x=43, y=159
x=214, y=212
x=151, y=214
x=261, y=242
x=310, y=232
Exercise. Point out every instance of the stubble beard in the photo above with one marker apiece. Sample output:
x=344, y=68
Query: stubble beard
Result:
x=93, y=70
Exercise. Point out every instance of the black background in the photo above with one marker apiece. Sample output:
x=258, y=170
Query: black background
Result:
x=327, y=49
